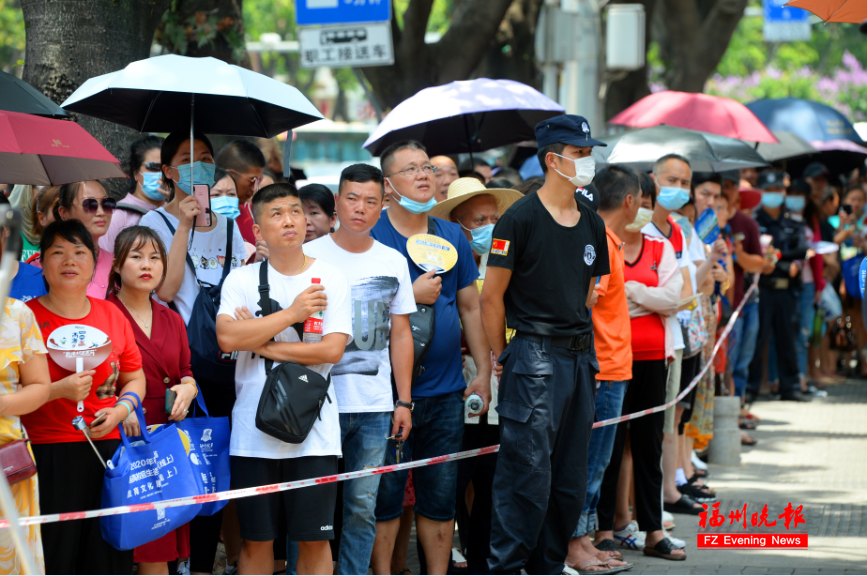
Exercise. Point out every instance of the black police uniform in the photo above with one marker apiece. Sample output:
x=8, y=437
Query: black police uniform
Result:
x=778, y=302
x=546, y=395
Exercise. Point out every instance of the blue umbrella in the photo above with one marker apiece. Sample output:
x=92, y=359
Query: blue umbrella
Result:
x=809, y=120
x=465, y=116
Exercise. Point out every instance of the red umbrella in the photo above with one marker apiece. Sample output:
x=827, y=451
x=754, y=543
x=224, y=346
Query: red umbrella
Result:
x=834, y=10
x=43, y=151
x=701, y=112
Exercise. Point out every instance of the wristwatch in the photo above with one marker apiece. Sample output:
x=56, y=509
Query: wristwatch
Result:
x=401, y=404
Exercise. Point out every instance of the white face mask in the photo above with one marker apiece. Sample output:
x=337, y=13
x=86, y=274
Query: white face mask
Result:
x=585, y=170
x=642, y=219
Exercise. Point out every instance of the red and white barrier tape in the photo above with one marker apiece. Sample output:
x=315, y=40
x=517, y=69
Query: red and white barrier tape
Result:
x=259, y=490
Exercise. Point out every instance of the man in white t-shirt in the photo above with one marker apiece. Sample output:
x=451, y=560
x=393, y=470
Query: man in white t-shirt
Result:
x=672, y=175
x=300, y=286
x=382, y=300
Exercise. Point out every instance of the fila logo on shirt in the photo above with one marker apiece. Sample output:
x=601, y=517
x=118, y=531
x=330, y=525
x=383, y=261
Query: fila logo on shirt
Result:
x=586, y=193
x=589, y=255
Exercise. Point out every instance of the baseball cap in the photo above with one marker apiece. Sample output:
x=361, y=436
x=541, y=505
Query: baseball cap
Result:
x=814, y=169
x=565, y=129
x=771, y=179
x=731, y=176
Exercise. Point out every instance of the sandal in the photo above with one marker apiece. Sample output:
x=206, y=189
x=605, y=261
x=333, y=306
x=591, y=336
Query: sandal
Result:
x=746, y=440
x=606, y=555
x=685, y=505
x=746, y=425
x=586, y=568
x=608, y=546
x=663, y=549
x=404, y=570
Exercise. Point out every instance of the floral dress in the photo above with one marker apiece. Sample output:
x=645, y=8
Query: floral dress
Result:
x=19, y=341
x=700, y=427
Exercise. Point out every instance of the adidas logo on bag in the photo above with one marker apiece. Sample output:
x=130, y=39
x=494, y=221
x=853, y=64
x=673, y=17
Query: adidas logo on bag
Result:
x=303, y=378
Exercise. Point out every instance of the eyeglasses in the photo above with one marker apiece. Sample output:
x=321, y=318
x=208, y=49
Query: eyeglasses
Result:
x=152, y=166
x=412, y=171
x=254, y=180
x=91, y=205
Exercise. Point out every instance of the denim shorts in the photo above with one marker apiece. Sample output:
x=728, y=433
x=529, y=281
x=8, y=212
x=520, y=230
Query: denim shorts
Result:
x=437, y=429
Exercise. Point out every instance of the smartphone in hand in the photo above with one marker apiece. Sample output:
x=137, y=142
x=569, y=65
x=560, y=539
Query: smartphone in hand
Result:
x=98, y=420
x=202, y=194
x=171, y=396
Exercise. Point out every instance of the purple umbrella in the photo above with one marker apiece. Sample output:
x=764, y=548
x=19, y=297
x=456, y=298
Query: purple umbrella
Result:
x=467, y=116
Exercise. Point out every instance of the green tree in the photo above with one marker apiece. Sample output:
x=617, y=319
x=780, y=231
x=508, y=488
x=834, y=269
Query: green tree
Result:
x=11, y=34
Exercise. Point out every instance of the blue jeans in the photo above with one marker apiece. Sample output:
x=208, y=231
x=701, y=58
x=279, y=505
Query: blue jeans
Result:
x=437, y=430
x=363, y=439
x=609, y=402
x=745, y=331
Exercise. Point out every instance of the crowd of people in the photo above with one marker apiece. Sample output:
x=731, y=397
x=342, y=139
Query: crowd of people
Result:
x=574, y=297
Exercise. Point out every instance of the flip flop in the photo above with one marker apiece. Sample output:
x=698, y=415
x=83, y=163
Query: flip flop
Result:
x=685, y=505
x=609, y=555
x=663, y=549
x=748, y=441
x=608, y=545
x=582, y=568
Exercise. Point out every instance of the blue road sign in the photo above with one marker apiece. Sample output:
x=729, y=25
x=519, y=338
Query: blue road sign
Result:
x=777, y=12
x=324, y=12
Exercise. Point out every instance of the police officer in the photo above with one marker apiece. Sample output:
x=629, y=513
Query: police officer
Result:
x=779, y=286
x=547, y=253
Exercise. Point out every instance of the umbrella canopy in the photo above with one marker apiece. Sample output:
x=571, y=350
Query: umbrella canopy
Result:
x=701, y=112
x=155, y=95
x=839, y=156
x=852, y=11
x=19, y=96
x=809, y=120
x=705, y=152
x=466, y=116
x=48, y=152
x=789, y=146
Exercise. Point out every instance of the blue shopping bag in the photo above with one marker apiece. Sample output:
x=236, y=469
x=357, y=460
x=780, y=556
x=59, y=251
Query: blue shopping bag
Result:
x=209, y=453
x=147, y=469
x=851, y=273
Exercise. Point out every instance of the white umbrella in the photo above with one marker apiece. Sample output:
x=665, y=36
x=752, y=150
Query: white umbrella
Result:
x=169, y=92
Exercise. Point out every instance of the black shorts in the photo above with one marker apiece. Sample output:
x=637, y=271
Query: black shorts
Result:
x=309, y=511
x=689, y=368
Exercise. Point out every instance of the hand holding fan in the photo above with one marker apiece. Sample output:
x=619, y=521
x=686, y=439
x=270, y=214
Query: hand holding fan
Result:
x=431, y=252
x=78, y=347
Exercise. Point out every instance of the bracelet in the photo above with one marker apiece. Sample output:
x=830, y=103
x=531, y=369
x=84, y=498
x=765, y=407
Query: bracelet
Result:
x=196, y=386
x=130, y=400
x=128, y=411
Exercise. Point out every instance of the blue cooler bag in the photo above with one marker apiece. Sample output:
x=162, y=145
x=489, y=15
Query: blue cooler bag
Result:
x=209, y=453
x=147, y=469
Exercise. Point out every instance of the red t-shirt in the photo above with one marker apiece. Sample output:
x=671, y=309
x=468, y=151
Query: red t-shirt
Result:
x=52, y=423
x=648, y=332
x=244, y=221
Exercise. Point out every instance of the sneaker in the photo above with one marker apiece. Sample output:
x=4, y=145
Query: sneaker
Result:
x=630, y=537
x=815, y=392
x=696, y=461
x=184, y=567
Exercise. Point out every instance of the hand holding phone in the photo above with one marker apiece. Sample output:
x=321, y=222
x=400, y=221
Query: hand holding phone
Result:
x=171, y=396
x=202, y=194
x=100, y=418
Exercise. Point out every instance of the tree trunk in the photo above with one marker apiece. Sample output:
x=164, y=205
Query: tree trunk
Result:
x=418, y=65
x=513, y=53
x=70, y=41
x=201, y=28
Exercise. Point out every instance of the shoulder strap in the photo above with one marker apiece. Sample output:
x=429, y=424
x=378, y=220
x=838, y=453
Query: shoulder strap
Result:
x=265, y=302
x=227, y=263
x=131, y=208
x=431, y=226
x=172, y=230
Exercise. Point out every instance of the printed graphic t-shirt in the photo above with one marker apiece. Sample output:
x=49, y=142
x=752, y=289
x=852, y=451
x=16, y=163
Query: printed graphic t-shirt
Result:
x=52, y=422
x=240, y=289
x=443, y=372
x=208, y=252
x=380, y=284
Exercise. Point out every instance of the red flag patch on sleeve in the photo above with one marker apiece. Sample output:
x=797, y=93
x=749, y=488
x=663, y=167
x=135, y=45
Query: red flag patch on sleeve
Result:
x=500, y=247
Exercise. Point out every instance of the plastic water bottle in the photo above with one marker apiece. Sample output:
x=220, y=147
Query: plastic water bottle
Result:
x=474, y=404
x=313, y=324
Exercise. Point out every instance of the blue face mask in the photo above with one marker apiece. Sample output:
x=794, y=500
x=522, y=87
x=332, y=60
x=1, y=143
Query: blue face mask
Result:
x=483, y=237
x=672, y=198
x=772, y=199
x=226, y=205
x=412, y=205
x=796, y=203
x=203, y=173
x=151, y=185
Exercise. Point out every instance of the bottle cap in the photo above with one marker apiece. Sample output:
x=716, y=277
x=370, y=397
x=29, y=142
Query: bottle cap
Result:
x=315, y=280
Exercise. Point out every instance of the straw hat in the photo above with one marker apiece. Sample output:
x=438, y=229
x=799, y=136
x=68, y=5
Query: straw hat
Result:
x=463, y=189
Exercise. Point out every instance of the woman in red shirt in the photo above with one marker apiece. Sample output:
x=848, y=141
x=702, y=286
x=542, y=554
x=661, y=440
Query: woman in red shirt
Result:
x=653, y=283
x=139, y=270
x=70, y=475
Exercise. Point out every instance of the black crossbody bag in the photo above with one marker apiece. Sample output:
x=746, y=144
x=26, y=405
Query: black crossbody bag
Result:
x=293, y=395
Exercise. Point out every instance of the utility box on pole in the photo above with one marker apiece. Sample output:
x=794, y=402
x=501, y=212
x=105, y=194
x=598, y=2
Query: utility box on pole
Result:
x=624, y=37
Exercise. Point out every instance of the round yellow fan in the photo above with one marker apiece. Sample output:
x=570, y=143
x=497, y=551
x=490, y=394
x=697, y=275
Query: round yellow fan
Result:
x=185, y=440
x=431, y=252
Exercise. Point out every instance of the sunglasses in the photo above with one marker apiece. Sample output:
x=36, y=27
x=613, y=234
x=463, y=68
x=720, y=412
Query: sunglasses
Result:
x=91, y=205
x=152, y=166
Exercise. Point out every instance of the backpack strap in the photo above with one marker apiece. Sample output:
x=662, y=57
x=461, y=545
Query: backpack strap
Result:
x=131, y=208
x=431, y=226
x=265, y=302
x=227, y=263
x=189, y=260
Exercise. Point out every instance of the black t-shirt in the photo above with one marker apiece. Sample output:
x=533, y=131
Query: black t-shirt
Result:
x=551, y=267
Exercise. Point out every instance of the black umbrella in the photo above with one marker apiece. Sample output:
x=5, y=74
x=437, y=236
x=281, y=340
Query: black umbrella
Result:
x=19, y=96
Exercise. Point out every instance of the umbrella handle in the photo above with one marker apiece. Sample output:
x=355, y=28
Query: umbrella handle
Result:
x=192, y=118
x=79, y=367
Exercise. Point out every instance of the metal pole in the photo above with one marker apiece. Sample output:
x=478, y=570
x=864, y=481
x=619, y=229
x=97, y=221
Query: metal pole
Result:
x=12, y=220
x=192, y=118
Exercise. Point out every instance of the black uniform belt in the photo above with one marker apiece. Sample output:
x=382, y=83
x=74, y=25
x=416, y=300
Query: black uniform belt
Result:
x=579, y=342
